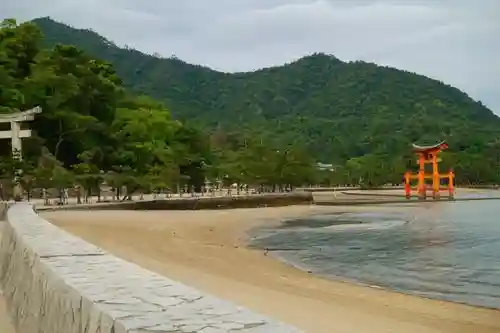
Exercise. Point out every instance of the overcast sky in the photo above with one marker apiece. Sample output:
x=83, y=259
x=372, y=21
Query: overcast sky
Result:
x=456, y=41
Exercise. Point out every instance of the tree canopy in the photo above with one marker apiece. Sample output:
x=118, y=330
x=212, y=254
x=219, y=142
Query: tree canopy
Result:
x=93, y=128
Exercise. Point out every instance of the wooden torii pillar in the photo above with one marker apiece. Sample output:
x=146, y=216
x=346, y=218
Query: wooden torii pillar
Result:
x=16, y=134
x=429, y=155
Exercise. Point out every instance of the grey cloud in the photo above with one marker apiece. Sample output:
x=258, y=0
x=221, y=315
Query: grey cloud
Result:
x=456, y=41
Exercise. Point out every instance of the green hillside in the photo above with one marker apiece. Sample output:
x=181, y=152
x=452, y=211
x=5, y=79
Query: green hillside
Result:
x=339, y=109
x=353, y=112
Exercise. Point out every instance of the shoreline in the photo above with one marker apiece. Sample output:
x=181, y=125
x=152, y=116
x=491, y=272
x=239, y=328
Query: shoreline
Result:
x=376, y=206
x=342, y=279
x=207, y=250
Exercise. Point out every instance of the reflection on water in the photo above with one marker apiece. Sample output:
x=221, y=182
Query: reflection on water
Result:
x=446, y=250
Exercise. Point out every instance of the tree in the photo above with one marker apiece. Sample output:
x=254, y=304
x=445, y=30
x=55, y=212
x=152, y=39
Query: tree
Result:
x=78, y=95
x=88, y=177
x=49, y=173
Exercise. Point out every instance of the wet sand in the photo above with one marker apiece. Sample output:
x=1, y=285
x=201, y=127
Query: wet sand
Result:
x=205, y=249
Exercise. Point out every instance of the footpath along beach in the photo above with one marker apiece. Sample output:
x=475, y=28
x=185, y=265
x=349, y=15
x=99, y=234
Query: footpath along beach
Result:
x=206, y=250
x=5, y=322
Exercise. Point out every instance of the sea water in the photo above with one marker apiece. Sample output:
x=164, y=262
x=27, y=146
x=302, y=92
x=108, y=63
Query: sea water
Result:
x=442, y=250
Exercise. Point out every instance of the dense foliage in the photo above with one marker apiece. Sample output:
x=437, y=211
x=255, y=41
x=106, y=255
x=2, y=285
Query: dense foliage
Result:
x=264, y=127
x=92, y=129
x=357, y=115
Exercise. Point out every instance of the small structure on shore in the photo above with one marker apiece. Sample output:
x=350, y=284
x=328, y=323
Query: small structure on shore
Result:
x=429, y=155
x=16, y=133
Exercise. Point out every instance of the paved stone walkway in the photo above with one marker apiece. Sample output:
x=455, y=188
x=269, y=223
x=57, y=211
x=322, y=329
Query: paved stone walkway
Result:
x=5, y=323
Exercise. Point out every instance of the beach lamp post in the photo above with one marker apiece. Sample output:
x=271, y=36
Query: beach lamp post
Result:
x=218, y=186
x=208, y=186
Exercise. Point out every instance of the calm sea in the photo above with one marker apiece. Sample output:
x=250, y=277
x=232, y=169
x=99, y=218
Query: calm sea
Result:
x=443, y=250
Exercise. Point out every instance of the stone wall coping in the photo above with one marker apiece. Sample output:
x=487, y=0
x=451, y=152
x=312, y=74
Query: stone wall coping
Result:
x=56, y=282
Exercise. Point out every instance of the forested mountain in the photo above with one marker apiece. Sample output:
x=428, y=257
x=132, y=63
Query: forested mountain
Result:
x=266, y=127
x=339, y=110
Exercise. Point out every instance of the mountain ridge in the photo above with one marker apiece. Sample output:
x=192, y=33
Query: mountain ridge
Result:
x=43, y=21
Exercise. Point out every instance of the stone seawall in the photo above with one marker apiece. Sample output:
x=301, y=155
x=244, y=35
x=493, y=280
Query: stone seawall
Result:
x=55, y=282
x=204, y=202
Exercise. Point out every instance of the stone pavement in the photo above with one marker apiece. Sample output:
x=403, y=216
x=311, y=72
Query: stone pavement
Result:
x=92, y=289
x=5, y=323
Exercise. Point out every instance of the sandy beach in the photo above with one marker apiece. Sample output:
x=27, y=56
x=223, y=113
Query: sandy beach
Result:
x=205, y=249
x=5, y=324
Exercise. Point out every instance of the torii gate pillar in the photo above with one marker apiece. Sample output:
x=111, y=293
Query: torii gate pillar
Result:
x=15, y=134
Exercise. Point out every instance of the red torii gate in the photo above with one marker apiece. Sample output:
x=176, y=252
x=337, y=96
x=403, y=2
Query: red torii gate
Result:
x=429, y=155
